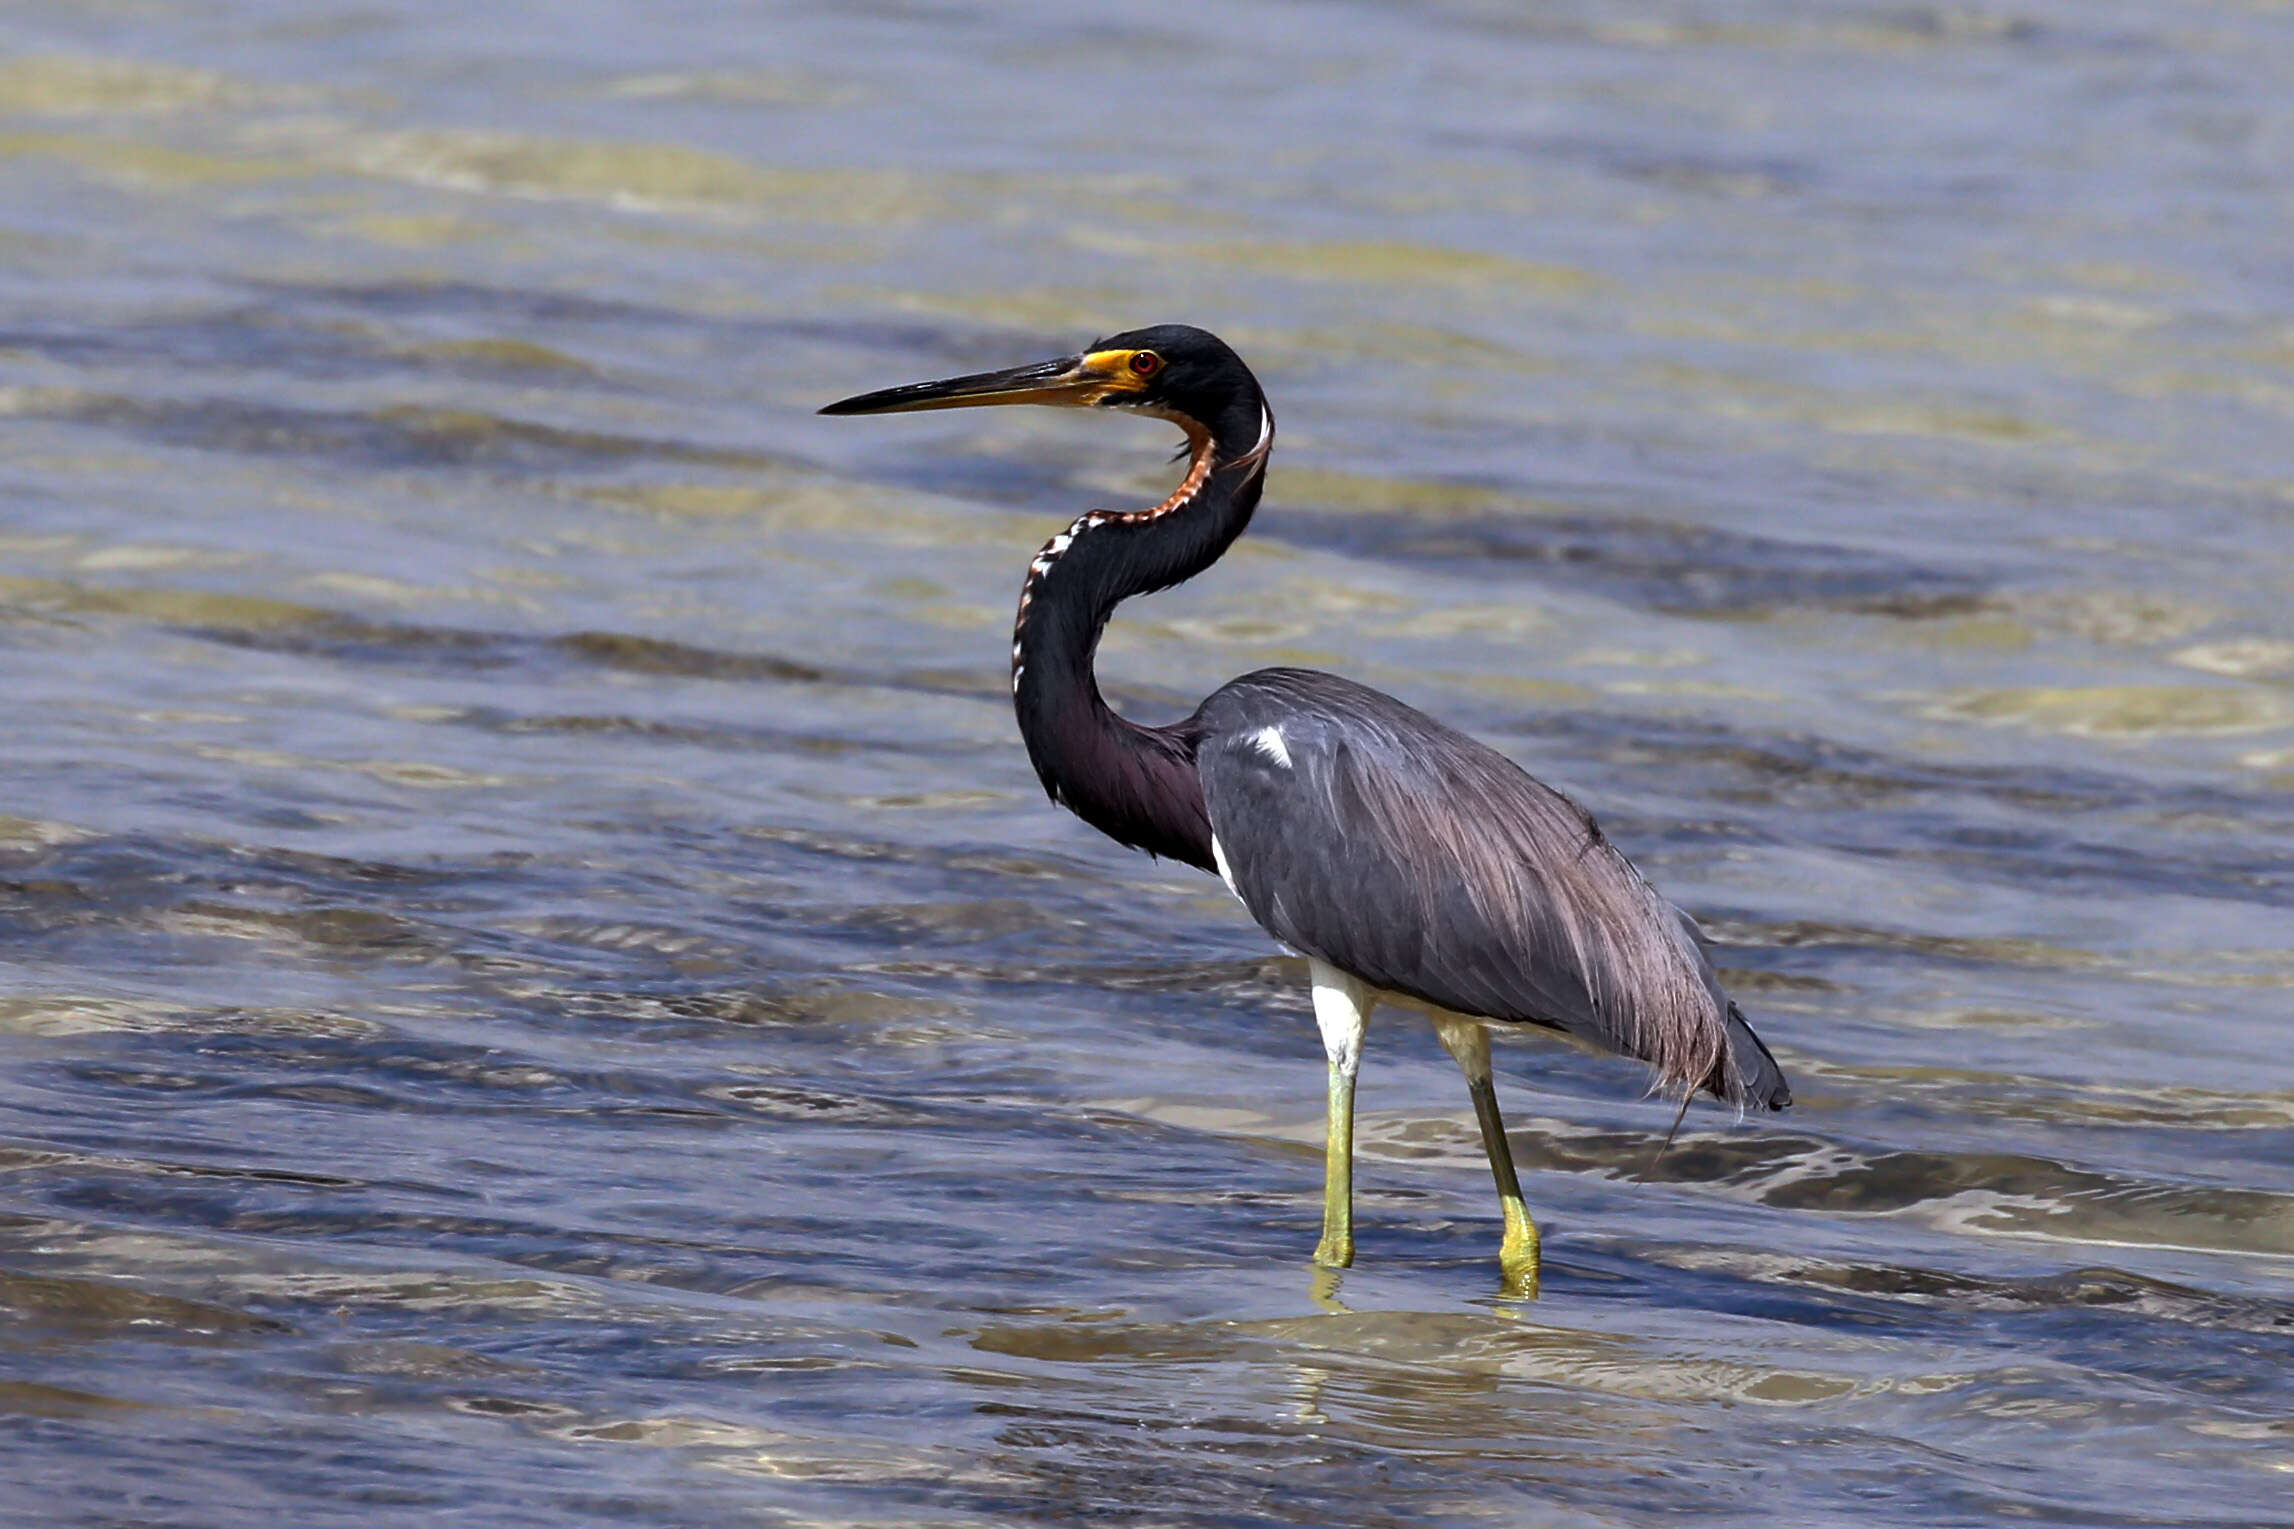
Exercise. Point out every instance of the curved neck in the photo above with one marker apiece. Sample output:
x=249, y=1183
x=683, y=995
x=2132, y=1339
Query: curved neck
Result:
x=1135, y=784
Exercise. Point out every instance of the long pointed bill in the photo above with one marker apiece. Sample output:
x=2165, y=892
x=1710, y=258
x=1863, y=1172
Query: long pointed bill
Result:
x=1073, y=381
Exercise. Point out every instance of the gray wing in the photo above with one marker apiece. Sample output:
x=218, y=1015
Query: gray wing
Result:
x=1365, y=833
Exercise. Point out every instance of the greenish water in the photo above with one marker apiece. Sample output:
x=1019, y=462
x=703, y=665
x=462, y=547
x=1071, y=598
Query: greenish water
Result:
x=540, y=988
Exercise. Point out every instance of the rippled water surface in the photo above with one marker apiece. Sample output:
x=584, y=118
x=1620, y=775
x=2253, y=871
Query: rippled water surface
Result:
x=541, y=990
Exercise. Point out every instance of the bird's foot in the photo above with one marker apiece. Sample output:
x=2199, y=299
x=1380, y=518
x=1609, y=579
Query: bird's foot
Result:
x=1518, y=1255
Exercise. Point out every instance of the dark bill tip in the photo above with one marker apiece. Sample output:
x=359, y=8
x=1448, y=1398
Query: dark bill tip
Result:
x=883, y=401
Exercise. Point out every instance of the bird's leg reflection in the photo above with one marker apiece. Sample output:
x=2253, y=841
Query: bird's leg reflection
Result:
x=1342, y=1007
x=1468, y=1040
x=1323, y=1290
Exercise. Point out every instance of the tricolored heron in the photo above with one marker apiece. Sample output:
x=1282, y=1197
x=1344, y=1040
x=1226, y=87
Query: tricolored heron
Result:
x=1405, y=860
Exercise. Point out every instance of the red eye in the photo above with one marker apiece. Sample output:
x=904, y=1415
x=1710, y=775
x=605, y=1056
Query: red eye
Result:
x=1146, y=363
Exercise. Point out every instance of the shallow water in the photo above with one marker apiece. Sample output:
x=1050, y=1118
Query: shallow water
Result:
x=541, y=989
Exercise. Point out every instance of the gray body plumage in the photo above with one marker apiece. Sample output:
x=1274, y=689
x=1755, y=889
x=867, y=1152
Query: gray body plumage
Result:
x=1364, y=833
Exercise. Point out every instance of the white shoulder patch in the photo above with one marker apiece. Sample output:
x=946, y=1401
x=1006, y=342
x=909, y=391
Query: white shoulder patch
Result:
x=1269, y=741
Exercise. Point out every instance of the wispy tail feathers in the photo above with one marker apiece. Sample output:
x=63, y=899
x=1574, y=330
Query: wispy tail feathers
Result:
x=1762, y=1080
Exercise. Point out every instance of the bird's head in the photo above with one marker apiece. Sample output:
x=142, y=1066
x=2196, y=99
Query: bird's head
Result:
x=1173, y=371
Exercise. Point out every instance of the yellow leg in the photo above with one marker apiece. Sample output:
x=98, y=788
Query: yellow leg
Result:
x=1336, y=1250
x=1468, y=1041
x=1342, y=1009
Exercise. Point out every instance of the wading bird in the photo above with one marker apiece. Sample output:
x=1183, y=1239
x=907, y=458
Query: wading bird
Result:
x=1404, y=860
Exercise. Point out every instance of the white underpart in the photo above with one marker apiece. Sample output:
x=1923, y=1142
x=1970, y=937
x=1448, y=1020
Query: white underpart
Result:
x=1268, y=741
x=1226, y=871
x=1467, y=1040
x=1342, y=1005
